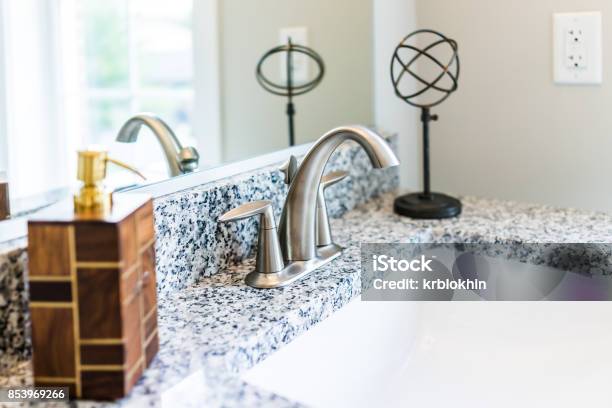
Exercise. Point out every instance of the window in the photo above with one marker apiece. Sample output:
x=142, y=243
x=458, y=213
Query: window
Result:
x=76, y=70
x=134, y=56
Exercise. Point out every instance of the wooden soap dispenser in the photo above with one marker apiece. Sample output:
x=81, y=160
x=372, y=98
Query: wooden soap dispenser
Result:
x=92, y=287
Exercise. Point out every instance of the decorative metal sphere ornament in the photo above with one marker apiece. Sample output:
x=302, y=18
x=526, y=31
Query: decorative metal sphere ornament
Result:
x=430, y=92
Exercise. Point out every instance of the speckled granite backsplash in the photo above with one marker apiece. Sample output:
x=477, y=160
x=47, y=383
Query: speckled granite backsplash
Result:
x=13, y=302
x=190, y=243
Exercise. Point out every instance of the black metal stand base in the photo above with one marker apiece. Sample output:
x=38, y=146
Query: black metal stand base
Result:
x=434, y=206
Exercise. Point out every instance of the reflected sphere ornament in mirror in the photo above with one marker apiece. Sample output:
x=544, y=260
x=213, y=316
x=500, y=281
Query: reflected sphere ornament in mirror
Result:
x=290, y=89
x=443, y=81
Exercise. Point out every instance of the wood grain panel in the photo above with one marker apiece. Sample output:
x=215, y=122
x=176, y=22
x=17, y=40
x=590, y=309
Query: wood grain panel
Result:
x=150, y=323
x=132, y=331
x=134, y=375
x=50, y=291
x=129, y=283
x=145, y=223
x=151, y=349
x=147, y=260
x=103, y=385
x=99, y=304
x=102, y=354
x=96, y=242
x=53, y=348
x=128, y=241
x=48, y=250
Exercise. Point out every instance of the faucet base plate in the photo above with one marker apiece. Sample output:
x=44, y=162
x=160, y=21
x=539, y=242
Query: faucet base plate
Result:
x=294, y=270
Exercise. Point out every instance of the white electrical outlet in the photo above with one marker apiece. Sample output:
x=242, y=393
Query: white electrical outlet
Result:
x=576, y=56
x=577, y=48
x=300, y=62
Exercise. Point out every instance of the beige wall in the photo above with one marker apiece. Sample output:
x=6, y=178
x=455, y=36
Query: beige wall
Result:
x=254, y=121
x=393, y=19
x=510, y=132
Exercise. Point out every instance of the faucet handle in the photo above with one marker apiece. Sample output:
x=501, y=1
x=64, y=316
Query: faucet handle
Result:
x=323, y=236
x=269, y=255
x=289, y=168
x=332, y=178
x=263, y=208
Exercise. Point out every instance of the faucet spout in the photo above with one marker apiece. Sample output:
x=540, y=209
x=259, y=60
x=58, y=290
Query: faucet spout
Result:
x=179, y=159
x=297, y=223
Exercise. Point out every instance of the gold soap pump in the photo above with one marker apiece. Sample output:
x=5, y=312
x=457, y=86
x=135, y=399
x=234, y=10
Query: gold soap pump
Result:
x=92, y=165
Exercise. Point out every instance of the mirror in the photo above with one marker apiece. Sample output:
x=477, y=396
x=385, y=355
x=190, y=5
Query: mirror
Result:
x=72, y=72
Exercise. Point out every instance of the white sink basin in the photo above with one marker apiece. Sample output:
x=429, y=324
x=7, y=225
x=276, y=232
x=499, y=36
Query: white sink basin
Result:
x=449, y=354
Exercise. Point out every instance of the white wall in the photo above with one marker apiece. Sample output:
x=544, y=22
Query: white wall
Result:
x=3, y=127
x=509, y=131
x=393, y=19
x=254, y=121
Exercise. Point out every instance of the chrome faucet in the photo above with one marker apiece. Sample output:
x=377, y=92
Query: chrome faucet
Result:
x=180, y=159
x=297, y=223
x=297, y=230
x=323, y=230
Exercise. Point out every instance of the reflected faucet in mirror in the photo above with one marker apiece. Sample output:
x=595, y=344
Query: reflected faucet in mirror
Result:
x=180, y=159
x=296, y=236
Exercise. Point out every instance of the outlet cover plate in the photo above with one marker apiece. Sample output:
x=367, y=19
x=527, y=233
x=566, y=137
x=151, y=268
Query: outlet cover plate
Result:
x=577, y=48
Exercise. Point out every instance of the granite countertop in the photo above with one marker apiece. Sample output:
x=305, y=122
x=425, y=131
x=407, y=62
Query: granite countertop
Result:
x=216, y=329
